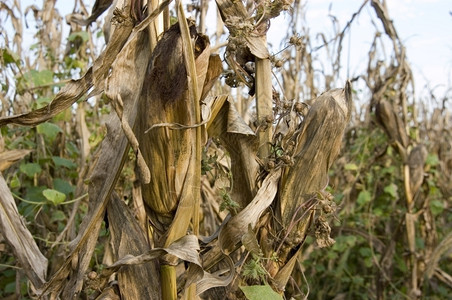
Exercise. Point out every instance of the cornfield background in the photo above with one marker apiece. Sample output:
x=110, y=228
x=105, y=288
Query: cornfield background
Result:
x=142, y=159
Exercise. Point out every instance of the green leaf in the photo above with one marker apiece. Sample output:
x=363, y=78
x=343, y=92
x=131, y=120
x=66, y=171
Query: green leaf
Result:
x=58, y=215
x=63, y=162
x=432, y=160
x=436, y=207
x=260, y=292
x=10, y=57
x=364, y=197
x=391, y=189
x=10, y=288
x=365, y=251
x=63, y=186
x=39, y=78
x=42, y=101
x=351, y=167
x=30, y=169
x=389, y=170
x=49, y=130
x=34, y=193
x=54, y=196
x=15, y=182
x=79, y=34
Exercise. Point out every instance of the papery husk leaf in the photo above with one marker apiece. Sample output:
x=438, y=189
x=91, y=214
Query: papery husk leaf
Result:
x=68, y=95
x=241, y=144
x=416, y=162
x=233, y=12
x=264, y=104
x=9, y=157
x=170, y=153
x=213, y=72
x=282, y=277
x=127, y=237
x=323, y=128
x=433, y=262
x=249, y=241
x=15, y=232
x=304, y=183
x=231, y=234
x=109, y=164
x=392, y=124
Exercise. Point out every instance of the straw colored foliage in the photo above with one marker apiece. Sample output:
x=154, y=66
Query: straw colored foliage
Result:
x=177, y=167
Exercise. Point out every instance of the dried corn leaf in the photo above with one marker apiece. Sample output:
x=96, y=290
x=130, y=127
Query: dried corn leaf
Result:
x=392, y=124
x=235, y=16
x=217, y=279
x=109, y=164
x=171, y=154
x=75, y=89
x=185, y=248
x=416, y=161
x=127, y=237
x=15, y=232
x=70, y=93
x=241, y=144
x=323, y=128
x=9, y=157
x=443, y=247
x=231, y=234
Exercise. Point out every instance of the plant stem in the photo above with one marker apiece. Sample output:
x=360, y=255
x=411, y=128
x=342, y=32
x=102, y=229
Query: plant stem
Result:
x=168, y=278
x=264, y=104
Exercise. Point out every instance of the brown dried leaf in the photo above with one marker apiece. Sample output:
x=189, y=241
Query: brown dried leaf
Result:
x=171, y=154
x=127, y=237
x=416, y=161
x=443, y=247
x=323, y=128
x=233, y=13
x=133, y=58
x=70, y=93
x=249, y=241
x=7, y=158
x=14, y=230
x=241, y=143
x=231, y=234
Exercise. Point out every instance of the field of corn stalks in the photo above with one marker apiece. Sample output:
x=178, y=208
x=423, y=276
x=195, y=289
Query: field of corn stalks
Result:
x=142, y=159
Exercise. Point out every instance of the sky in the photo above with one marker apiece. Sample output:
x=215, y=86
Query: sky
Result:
x=424, y=27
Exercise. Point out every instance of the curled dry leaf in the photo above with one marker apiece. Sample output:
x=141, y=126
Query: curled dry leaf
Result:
x=107, y=169
x=416, y=161
x=7, y=158
x=70, y=93
x=304, y=182
x=15, y=231
x=241, y=144
x=231, y=234
x=127, y=237
x=186, y=249
x=391, y=122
